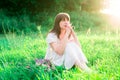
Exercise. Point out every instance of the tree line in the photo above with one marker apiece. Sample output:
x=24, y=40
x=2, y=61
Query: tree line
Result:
x=14, y=7
x=17, y=15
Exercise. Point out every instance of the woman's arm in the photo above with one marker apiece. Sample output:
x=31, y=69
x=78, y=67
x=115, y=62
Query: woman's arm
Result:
x=75, y=37
x=60, y=46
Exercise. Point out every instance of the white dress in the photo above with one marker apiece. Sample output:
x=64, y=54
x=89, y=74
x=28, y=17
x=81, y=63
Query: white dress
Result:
x=71, y=54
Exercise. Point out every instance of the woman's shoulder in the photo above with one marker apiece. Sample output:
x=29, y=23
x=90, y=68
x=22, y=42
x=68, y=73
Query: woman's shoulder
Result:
x=51, y=37
x=51, y=34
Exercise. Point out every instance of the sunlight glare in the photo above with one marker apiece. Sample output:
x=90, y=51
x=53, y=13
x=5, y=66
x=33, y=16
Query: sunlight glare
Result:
x=113, y=8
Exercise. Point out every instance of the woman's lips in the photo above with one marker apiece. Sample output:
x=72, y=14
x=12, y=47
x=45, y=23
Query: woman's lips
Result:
x=65, y=25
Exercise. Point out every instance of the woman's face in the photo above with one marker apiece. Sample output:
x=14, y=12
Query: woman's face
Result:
x=64, y=23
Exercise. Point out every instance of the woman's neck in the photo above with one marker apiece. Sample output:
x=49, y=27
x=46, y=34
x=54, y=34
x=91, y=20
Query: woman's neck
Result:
x=62, y=33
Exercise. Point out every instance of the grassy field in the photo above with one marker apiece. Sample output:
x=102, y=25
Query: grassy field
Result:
x=18, y=54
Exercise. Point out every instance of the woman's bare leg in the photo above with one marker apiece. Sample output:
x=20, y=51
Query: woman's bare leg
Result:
x=83, y=66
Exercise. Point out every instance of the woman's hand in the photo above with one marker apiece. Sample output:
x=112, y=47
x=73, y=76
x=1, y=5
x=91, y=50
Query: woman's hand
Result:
x=68, y=29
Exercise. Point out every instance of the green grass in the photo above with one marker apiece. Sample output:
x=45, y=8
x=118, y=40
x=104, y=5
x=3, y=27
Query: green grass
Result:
x=18, y=54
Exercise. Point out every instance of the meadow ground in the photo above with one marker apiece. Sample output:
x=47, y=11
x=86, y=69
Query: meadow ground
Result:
x=18, y=54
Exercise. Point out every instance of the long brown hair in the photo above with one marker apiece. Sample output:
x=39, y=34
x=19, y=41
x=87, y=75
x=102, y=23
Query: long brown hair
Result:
x=61, y=16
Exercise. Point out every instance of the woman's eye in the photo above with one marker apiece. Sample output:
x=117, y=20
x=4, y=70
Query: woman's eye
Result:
x=63, y=20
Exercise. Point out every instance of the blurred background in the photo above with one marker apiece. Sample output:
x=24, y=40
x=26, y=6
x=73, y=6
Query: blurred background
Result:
x=25, y=16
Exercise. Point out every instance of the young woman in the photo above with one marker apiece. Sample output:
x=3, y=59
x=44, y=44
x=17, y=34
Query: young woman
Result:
x=63, y=45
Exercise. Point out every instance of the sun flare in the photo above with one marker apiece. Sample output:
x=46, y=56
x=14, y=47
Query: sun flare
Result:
x=113, y=8
x=113, y=11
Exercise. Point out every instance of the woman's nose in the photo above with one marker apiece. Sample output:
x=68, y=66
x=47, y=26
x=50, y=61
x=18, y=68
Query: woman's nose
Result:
x=66, y=22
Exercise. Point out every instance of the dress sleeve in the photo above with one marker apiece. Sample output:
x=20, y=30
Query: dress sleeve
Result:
x=51, y=37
